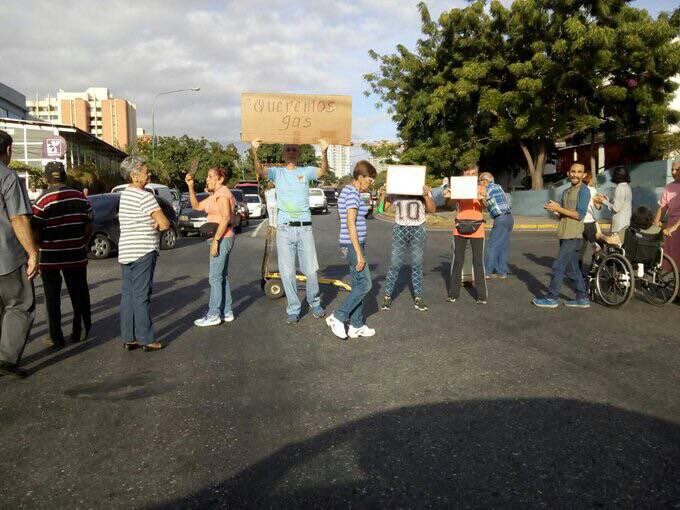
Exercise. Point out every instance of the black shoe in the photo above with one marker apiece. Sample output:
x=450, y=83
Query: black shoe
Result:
x=420, y=304
x=451, y=299
x=77, y=336
x=387, y=303
x=12, y=370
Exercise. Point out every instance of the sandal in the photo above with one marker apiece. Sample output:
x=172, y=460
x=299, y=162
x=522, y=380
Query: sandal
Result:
x=155, y=346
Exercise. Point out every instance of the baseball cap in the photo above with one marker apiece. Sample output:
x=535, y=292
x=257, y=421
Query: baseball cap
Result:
x=54, y=170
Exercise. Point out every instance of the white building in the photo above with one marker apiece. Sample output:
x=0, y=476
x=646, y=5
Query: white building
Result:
x=339, y=159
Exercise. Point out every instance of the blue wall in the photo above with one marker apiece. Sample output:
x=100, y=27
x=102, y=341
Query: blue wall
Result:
x=647, y=181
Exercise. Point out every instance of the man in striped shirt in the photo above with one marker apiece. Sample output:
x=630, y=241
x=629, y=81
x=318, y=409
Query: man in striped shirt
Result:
x=62, y=226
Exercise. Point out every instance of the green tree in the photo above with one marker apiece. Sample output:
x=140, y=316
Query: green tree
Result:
x=272, y=154
x=534, y=73
x=175, y=154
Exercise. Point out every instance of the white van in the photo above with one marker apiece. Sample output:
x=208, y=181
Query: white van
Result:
x=160, y=190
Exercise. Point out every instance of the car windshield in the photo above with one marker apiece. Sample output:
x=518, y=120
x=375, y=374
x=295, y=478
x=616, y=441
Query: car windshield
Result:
x=252, y=199
x=199, y=196
x=315, y=192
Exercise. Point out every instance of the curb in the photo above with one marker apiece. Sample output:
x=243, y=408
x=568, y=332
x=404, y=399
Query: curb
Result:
x=522, y=227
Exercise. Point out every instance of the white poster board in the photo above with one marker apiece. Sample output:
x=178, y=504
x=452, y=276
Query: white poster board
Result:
x=463, y=187
x=405, y=180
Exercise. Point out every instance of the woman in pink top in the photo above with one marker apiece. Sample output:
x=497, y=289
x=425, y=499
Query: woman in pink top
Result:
x=220, y=208
x=670, y=204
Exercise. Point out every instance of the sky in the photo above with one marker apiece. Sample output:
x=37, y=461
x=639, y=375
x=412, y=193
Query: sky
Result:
x=141, y=48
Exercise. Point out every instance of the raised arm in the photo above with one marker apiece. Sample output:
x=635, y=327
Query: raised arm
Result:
x=259, y=170
x=189, y=179
x=430, y=206
x=324, y=159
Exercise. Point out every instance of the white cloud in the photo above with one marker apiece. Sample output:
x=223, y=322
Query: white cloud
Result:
x=138, y=49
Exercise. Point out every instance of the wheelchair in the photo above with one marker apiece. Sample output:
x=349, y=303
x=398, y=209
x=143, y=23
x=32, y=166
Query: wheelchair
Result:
x=640, y=265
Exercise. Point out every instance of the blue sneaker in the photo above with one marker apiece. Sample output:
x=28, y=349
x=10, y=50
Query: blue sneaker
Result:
x=546, y=302
x=318, y=312
x=292, y=319
x=578, y=303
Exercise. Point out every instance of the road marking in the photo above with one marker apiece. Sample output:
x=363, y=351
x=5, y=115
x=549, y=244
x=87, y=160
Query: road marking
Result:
x=257, y=230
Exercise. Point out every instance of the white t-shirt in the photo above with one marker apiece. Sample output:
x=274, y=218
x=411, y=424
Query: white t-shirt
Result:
x=138, y=235
x=591, y=212
x=408, y=211
x=270, y=198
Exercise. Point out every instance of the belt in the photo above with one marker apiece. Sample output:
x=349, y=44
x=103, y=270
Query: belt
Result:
x=298, y=223
x=502, y=214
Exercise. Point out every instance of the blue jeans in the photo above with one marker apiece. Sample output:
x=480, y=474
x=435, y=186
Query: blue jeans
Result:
x=498, y=246
x=135, y=300
x=352, y=308
x=292, y=242
x=407, y=239
x=567, y=265
x=218, y=277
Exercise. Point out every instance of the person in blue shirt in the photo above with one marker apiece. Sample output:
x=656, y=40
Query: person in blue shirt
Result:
x=498, y=245
x=352, y=211
x=294, y=236
x=571, y=212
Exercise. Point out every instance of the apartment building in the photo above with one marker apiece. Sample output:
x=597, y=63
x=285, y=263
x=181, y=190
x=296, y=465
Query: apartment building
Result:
x=339, y=159
x=12, y=103
x=94, y=111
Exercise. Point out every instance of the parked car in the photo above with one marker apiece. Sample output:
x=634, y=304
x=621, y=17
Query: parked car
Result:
x=257, y=208
x=248, y=187
x=172, y=196
x=331, y=197
x=191, y=220
x=317, y=201
x=106, y=228
x=368, y=200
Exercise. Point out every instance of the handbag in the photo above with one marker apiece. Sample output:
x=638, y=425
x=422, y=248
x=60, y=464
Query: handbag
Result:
x=468, y=227
x=208, y=230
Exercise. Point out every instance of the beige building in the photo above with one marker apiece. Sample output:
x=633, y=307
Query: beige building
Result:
x=94, y=111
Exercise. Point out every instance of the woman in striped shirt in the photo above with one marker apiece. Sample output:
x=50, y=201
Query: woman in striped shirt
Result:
x=141, y=219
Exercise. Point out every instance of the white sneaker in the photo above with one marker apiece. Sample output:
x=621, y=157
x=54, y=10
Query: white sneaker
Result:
x=228, y=317
x=337, y=327
x=208, y=321
x=362, y=331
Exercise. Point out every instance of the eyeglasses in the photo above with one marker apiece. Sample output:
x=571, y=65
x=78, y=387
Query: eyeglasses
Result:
x=370, y=179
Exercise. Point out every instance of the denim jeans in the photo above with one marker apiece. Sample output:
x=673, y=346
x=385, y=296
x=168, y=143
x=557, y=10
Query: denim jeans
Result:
x=292, y=242
x=135, y=300
x=352, y=308
x=407, y=240
x=567, y=265
x=498, y=245
x=218, y=277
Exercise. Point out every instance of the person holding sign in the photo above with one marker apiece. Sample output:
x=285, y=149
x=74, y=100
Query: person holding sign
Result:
x=468, y=226
x=294, y=236
x=408, y=237
x=353, y=232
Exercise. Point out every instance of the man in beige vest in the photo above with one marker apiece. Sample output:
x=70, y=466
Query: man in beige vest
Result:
x=571, y=211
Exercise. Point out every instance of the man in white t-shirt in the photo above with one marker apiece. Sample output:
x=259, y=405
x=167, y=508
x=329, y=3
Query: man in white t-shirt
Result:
x=141, y=221
x=408, y=236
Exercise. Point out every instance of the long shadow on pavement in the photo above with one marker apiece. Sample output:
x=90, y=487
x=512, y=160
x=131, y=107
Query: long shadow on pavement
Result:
x=481, y=453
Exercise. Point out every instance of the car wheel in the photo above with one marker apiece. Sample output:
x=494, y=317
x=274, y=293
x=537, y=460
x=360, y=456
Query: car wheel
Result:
x=325, y=210
x=169, y=239
x=100, y=247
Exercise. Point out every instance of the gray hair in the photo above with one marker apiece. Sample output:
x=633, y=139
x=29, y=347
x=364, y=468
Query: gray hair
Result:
x=486, y=176
x=132, y=165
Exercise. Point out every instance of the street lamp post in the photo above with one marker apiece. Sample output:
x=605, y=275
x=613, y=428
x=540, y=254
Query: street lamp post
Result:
x=153, y=116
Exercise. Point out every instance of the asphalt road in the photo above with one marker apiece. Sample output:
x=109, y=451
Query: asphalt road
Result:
x=464, y=405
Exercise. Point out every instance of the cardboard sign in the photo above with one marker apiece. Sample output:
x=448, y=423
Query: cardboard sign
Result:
x=54, y=147
x=296, y=118
x=405, y=180
x=463, y=187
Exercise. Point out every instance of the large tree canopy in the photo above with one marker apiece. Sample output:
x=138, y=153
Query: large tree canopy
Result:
x=534, y=73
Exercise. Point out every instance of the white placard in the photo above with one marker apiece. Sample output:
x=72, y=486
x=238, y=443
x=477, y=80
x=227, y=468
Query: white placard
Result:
x=405, y=180
x=463, y=187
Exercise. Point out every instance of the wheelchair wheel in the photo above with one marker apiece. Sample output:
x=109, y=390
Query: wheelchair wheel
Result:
x=614, y=280
x=660, y=285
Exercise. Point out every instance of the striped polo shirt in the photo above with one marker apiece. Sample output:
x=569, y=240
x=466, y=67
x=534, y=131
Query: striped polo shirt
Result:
x=350, y=198
x=60, y=216
x=138, y=234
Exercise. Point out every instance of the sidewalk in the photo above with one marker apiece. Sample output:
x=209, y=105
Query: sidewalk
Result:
x=443, y=220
